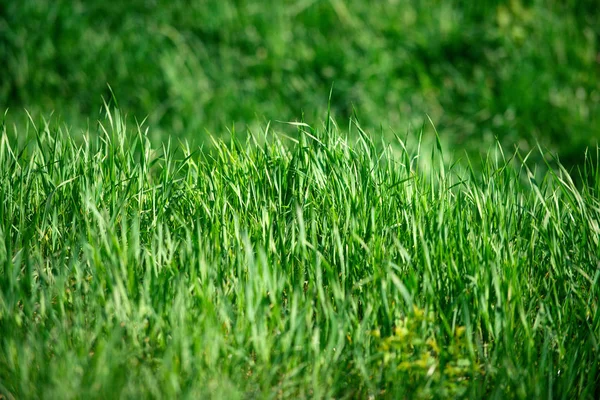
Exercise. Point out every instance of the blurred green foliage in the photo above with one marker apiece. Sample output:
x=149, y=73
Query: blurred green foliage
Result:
x=522, y=71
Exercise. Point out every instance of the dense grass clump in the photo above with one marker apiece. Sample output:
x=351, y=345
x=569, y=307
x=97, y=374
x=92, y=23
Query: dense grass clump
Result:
x=321, y=267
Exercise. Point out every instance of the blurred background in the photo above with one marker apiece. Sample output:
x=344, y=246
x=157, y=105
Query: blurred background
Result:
x=521, y=71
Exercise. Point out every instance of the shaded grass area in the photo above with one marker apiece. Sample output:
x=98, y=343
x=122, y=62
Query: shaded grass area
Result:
x=325, y=267
x=518, y=70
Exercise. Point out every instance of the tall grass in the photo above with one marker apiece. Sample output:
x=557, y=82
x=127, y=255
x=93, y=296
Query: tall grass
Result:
x=320, y=267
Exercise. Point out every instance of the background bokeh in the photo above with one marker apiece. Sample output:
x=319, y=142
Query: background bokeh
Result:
x=522, y=71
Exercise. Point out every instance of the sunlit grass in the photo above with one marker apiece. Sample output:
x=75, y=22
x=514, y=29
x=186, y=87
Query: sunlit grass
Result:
x=325, y=267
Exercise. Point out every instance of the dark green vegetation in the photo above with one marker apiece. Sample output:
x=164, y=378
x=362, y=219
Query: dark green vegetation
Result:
x=290, y=261
x=519, y=70
x=325, y=268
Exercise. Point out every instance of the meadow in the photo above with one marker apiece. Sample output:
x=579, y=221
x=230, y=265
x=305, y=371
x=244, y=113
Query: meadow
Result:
x=325, y=268
x=311, y=199
x=520, y=71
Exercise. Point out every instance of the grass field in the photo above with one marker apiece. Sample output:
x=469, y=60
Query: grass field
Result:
x=426, y=226
x=320, y=267
x=519, y=70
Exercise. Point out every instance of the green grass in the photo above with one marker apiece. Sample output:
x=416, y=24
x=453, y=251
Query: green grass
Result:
x=519, y=70
x=322, y=267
